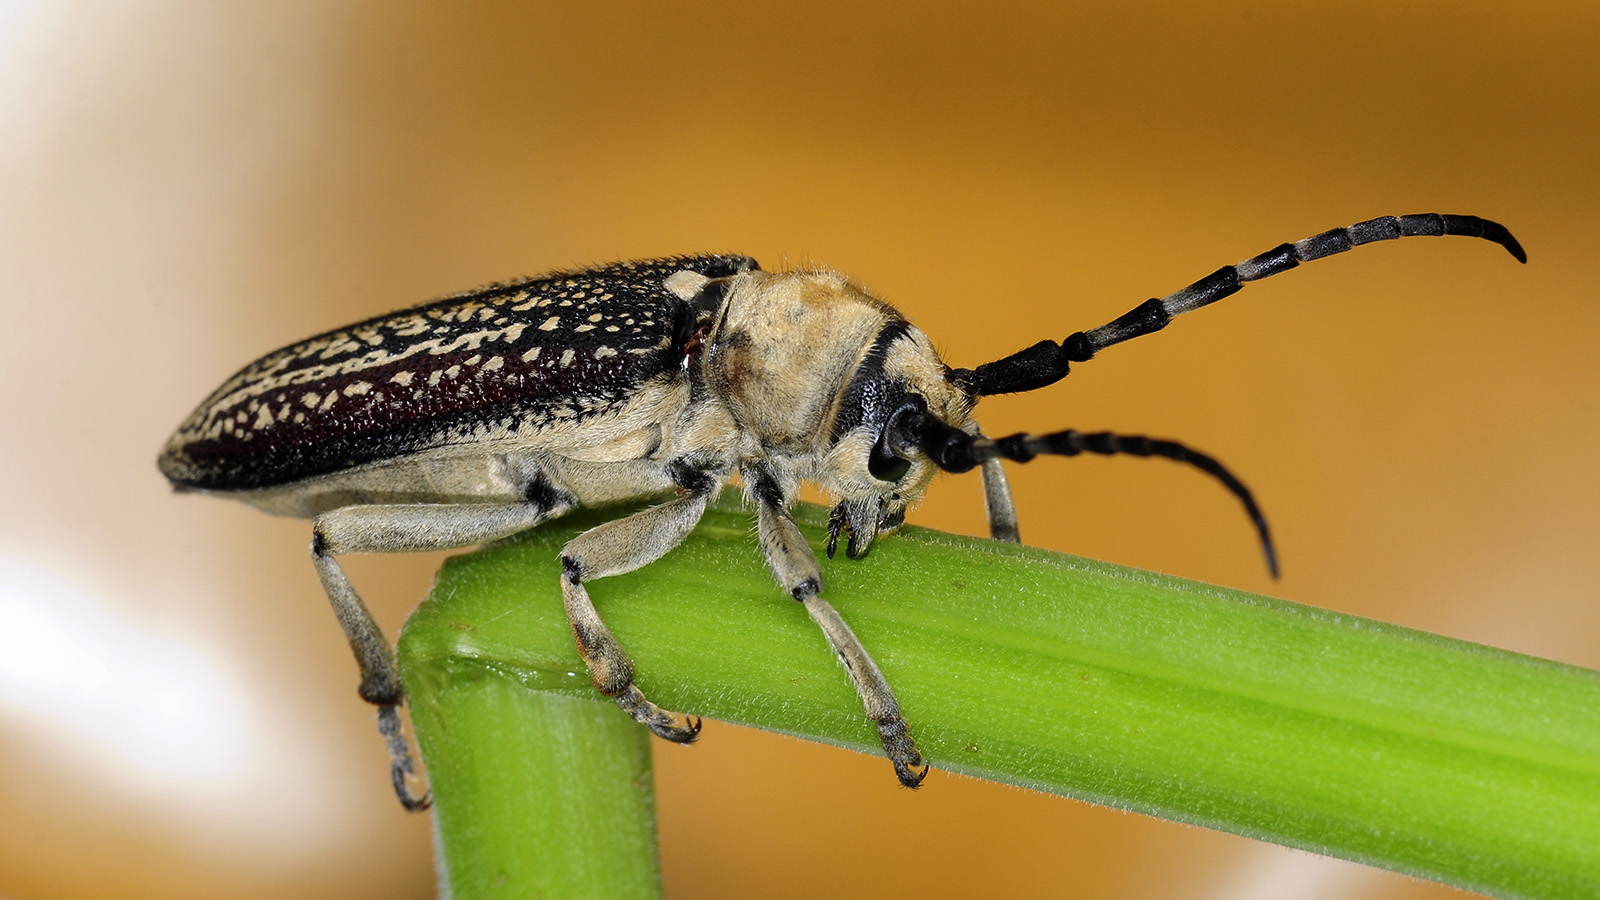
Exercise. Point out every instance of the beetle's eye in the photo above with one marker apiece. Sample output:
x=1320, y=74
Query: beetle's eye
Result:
x=899, y=433
x=883, y=463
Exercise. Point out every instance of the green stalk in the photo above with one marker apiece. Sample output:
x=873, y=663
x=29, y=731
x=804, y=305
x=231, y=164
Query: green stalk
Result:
x=1413, y=752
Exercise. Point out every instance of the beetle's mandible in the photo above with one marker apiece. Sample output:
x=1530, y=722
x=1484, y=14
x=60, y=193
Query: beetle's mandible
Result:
x=481, y=415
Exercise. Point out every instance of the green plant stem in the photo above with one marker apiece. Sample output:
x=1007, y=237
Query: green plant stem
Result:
x=541, y=794
x=1446, y=760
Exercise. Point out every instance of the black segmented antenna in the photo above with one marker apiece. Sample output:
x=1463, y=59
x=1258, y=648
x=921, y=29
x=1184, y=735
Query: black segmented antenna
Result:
x=1046, y=362
x=954, y=450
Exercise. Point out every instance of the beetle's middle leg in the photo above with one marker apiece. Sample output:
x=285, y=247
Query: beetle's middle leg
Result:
x=404, y=528
x=615, y=548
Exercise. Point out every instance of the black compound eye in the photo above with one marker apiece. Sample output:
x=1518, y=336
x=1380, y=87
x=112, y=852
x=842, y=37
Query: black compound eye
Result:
x=883, y=463
x=899, y=434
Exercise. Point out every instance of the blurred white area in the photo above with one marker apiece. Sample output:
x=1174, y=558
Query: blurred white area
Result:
x=128, y=699
x=1278, y=873
x=140, y=709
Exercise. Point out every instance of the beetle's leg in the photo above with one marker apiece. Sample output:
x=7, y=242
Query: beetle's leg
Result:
x=614, y=548
x=404, y=529
x=998, y=503
x=796, y=569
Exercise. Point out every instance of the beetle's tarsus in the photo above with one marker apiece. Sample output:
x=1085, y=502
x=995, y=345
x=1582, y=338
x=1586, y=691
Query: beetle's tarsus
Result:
x=402, y=789
x=902, y=750
x=837, y=522
x=665, y=724
x=402, y=767
x=910, y=775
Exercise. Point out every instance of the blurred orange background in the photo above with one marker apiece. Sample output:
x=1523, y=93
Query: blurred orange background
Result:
x=190, y=185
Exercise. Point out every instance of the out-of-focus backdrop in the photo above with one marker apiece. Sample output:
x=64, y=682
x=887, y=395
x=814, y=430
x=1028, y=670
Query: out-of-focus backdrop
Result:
x=184, y=186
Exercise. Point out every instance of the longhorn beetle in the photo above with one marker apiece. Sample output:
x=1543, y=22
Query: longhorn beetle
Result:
x=480, y=415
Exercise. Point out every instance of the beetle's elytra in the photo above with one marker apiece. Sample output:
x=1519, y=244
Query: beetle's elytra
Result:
x=480, y=415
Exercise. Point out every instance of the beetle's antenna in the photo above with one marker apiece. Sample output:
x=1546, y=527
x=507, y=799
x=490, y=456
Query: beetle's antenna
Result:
x=954, y=450
x=1045, y=363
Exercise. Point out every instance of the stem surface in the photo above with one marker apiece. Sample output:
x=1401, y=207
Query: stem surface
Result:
x=1418, y=753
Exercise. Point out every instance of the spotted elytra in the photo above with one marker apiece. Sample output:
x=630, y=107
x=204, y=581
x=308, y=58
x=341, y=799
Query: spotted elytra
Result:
x=481, y=415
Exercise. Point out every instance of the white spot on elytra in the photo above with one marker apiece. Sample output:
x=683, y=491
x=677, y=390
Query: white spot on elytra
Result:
x=433, y=377
x=263, y=418
x=531, y=355
x=327, y=402
x=550, y=323
x=452, y=372
x=310, y=400
x=567, y=356
x=584, y=328
x=360, y=387
x=685, y=284
x=474, y=359
x=401, y=378
x=597, y=317
x=494, y=362
x=603, y=352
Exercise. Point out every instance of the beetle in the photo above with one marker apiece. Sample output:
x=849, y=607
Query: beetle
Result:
x=483, y=414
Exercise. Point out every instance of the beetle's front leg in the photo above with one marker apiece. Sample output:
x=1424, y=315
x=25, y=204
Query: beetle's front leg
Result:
x=796, y=569
x=404, y=529
x=615, y=548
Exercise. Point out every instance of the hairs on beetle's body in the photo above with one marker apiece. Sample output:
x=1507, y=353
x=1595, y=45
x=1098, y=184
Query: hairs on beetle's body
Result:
x=478, y=416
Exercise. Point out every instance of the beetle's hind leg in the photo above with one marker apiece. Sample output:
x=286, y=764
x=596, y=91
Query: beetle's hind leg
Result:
x=404, y=528
x=615, y=548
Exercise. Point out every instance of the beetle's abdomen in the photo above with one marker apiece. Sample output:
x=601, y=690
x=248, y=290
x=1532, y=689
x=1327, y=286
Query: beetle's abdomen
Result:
x=508, y=361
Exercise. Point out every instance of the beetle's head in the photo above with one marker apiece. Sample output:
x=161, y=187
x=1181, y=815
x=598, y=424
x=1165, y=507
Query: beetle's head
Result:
x=873, y=463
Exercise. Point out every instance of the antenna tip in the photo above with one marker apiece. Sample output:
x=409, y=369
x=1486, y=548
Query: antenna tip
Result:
x=1501, y=235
